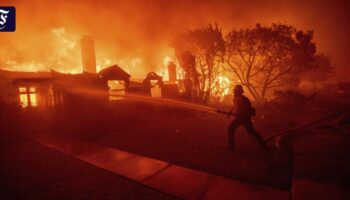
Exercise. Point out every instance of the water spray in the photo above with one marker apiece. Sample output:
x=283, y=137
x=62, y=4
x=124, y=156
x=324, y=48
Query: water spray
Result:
x=142, y=98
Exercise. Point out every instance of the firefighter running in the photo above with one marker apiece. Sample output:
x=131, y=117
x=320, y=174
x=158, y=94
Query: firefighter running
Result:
x=242, y=112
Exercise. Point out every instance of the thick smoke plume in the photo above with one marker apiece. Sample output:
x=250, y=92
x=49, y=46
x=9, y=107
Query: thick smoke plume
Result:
x=136, y=34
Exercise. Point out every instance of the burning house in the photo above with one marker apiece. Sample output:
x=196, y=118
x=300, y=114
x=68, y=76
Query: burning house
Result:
x=117, y=80
x=47, y=89
x=54, y=89
x=30, y=89
x=155, y=86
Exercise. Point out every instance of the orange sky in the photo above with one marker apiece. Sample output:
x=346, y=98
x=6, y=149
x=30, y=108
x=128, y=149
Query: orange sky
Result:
x=128, y=30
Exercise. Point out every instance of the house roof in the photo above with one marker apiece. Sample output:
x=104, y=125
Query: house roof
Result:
x=25, y=76
x=67, y=80
x=114, y=72
x=72, y=79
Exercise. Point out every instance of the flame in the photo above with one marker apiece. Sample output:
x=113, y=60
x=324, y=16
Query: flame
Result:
x=103, y=63
x=64, y=56
x=163, y=71
x=67, y=57
x=64, y=41
x=167, y=60
x=133, y=66
x=12, y=65
x=220, y=87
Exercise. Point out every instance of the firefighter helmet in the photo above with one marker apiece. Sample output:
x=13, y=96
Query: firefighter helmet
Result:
x=238, y=89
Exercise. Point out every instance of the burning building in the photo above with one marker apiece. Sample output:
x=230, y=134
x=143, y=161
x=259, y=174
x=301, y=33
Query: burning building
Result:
x=47, y=89
x=30, y=89
x=117, y=80
x=54, y=89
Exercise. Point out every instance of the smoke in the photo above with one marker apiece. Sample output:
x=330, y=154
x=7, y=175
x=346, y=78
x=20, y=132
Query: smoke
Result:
x=135, y=34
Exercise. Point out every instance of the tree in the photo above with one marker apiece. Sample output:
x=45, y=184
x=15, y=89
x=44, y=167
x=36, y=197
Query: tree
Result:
x=261, y=56
x=322, y=71
x=200, y=53
x=188, y=63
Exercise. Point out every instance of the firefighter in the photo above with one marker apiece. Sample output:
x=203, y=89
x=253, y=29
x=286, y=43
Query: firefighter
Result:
x=242, y=112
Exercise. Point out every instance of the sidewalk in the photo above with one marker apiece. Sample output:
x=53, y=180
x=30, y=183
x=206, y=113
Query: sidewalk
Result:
x=29, y=170
x=163, y=176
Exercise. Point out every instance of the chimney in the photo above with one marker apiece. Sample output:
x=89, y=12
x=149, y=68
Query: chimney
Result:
x=88, y=54
x=172, y=71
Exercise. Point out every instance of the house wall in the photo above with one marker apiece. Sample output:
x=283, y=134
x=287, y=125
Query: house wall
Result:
x=37, y=94
x=8, y=90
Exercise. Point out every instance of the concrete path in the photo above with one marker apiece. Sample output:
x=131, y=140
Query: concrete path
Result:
x=320, y=170
x=182, y=182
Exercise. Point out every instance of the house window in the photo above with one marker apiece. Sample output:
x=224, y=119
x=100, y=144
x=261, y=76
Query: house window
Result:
x=116, y=90
x=27, y=97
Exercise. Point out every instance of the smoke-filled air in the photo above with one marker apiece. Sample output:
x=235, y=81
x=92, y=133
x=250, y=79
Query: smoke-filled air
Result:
x=175, y=99
x=137, y=34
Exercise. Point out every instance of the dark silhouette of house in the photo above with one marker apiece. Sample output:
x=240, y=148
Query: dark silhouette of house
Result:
x=154, y=85
x=117, y=80
x=114, y=73
x=54, y=89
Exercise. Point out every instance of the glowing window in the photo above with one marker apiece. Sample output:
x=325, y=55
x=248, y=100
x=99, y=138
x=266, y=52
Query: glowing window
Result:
x=116, y=90
x=22, y=89
x=27, y=97
x=32, y=89
x=33, y=101
x=23, y=98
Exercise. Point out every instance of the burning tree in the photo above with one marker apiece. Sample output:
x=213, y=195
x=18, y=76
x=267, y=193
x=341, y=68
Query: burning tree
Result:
x=260, y=57
x=200, y=53
x=188, y=63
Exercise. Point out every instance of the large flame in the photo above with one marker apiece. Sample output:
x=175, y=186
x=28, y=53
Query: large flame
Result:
x=163, y=70
x=66, y=57
x=221, y=87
